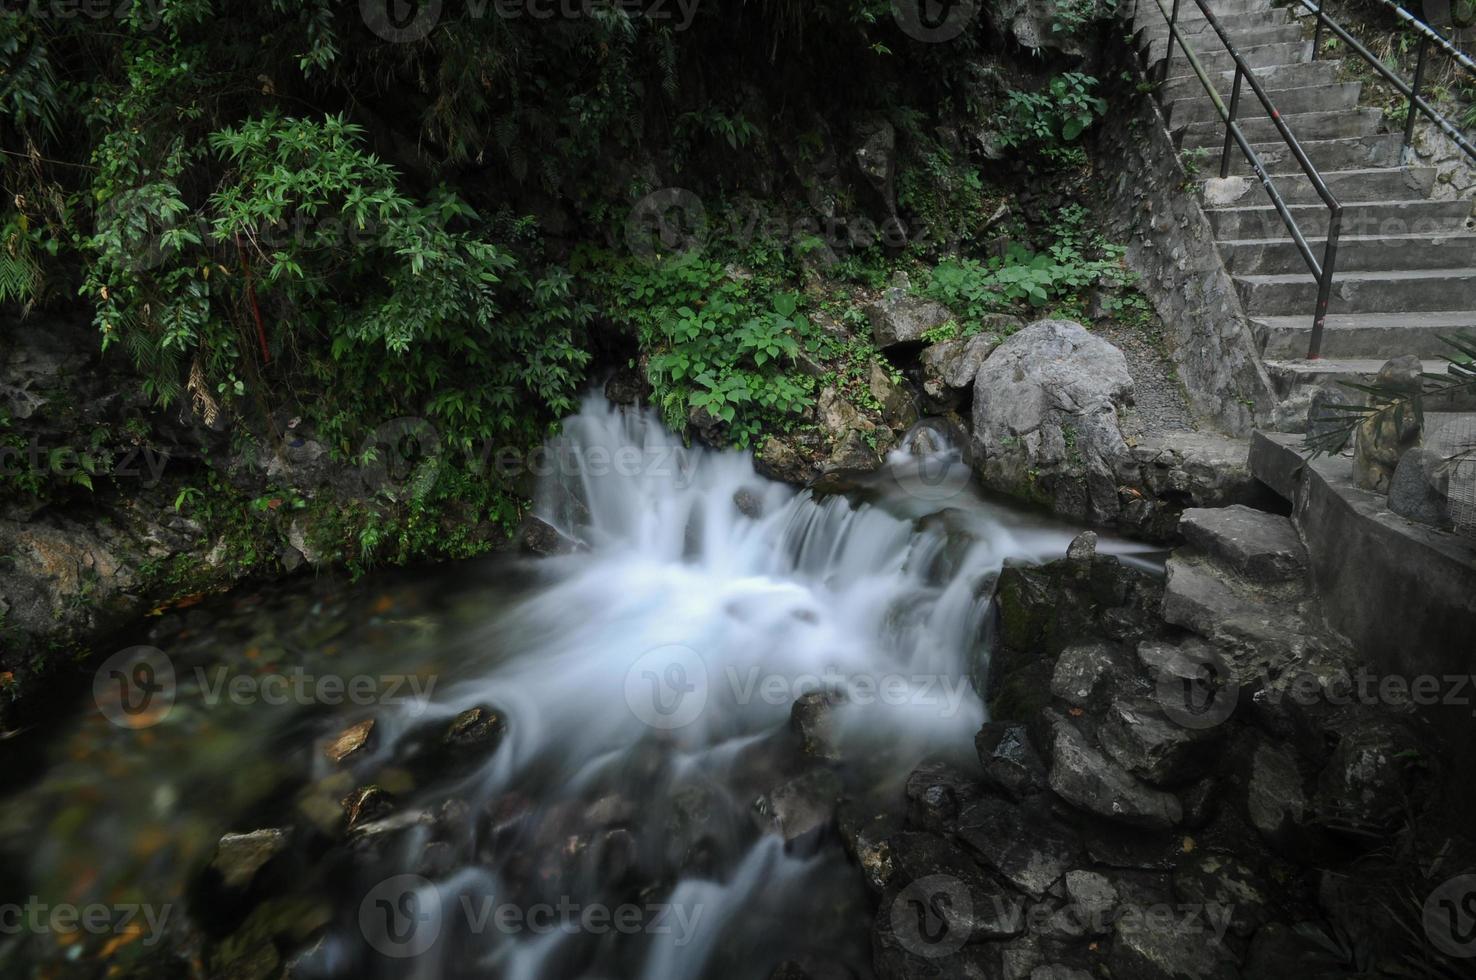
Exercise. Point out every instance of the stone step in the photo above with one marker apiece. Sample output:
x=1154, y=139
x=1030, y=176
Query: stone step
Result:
x=1366, y=335
x=1305, y=126
x=1252, y=623
x=1288, y=102
x=1258, y=546
x=1234, y=24
x=1347, y=186
x=1208, y=42
x=1255, y=56
x=1279, y=77
x=1362, y=153
x=1291, y=377
x=1355, y=253
x=1395, y=217
x=1362, y=292
x=1149, y=11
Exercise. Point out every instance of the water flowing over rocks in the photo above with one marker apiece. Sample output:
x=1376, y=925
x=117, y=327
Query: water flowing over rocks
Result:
x=1134, y=764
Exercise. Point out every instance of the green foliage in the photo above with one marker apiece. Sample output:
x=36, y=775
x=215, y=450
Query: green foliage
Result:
x=1019, y=276
x=21, y=251
x=715, y=344
x=1075, y=16
x=1048, y=121
x=374, y=291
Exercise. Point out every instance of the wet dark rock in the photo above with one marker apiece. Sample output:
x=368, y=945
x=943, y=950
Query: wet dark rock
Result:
x=748, y=503
x=1092, y=895
x=867, y=838
x=1056, y=971
x=937, y=793
x=991, y=910
x=627, y=387
x=785, y=459
x=437, y=860
x=238, y=857
x=1011, y=764
x=1083, y=547
x=1201, y=802
x=250, y=953
x=1112, y=845
x=351, y=743
x=811, y=719
x=475, y=733
x=1156, y=950
x=1276, y=801
x=366, y=805
x=537, y=537
x=1146, y=742
x=1228, y=885
x=1365, y=785
x=1087, y=674
x=1085, y=777
x=799, y=811
x=1021, y=842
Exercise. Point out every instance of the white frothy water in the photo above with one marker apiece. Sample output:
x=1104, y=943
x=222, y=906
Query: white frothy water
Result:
x=701, y=602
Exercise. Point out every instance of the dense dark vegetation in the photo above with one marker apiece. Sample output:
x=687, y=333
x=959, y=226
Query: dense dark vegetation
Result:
x=294, y=222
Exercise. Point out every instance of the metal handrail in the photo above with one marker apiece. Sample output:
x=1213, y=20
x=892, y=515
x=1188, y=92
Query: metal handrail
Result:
x=1323, y=271
x=1410, y=90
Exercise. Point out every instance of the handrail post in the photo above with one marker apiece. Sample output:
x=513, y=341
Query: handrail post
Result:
x=1414, y=93
x=1317, y=34
x=1324, y=284
x=1230, y=124
x=1168, y=54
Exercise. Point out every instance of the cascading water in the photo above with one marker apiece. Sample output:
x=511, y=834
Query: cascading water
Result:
x=649, y=812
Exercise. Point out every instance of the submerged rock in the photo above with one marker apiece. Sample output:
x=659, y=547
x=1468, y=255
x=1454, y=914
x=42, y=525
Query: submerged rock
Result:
x=238, y=857
x=801, y=809
x=352, y=742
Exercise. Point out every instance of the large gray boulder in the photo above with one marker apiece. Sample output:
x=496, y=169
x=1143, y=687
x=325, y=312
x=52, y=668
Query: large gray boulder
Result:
x=1046, y=423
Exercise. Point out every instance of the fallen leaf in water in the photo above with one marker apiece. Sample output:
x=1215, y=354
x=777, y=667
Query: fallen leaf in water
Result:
x=384, y=604
x=1076, y=712
x=1189, y=845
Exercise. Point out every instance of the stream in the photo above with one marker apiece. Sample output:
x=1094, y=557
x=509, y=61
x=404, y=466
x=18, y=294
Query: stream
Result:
x=581, y=765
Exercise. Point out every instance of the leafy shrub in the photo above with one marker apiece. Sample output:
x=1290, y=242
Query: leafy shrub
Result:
x=1020, y=277
x=308, y=249
x=713, y=342
x=1047, y=121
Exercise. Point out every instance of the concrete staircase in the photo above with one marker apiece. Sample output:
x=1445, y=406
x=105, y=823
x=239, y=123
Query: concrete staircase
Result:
x=1406, y=269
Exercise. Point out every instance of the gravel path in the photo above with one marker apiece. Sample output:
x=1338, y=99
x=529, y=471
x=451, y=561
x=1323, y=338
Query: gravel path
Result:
x=1159, y=402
